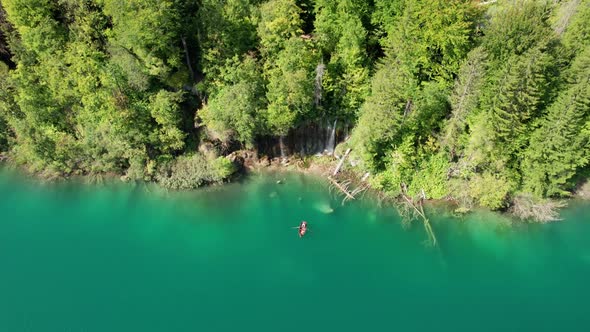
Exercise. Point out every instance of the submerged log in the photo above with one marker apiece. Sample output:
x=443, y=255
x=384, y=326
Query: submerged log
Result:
x=341, y=187
x=419, y=210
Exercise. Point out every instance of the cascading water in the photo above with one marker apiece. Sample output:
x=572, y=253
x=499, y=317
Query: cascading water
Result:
x=313, y=138
x=332, y=139
x=325, y=136
x=282, y=147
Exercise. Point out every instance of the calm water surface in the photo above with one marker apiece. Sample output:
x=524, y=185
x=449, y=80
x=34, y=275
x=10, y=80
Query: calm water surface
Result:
x=120, y=257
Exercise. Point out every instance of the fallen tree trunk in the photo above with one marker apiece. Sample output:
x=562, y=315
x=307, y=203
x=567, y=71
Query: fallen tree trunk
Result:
x=339, y=166
x=419, y=210
x=342, y=188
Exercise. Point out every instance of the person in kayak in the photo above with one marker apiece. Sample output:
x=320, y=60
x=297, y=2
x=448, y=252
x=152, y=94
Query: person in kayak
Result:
x=302, y=228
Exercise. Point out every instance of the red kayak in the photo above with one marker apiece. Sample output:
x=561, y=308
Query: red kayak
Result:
x=302, y=228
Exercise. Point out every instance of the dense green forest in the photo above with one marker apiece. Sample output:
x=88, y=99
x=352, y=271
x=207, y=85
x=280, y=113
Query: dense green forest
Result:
x=487, y=102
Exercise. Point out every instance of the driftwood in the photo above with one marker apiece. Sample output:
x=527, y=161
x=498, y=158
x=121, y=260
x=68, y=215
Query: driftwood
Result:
x=343, y=187
x=365, y=177
x=358, y=190
x=339, y=166
x=418, y=208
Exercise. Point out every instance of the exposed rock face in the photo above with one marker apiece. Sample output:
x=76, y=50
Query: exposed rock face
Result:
x=237, y=160
x=207, y=148
x=312, y=138
x=264, y=161
x=247, y=159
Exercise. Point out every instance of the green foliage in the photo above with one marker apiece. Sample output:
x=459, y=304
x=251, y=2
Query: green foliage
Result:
x=382, y=114
x=428, y=108
x=431, y=177
x=464, y=98
x=490, y=190
x=39, y=32
x=222, y=168
x=193, y=171
x=516, y=95
x=340, y=33
x=501, y=95
x=226, y=29
x=148, y=31
x=290, y=86
x=88, y=95
x=165, y=109
x=232, y=113
x=6, y=106
x=385, y=15
x=279, y=21
x=517, y=26
x=236, y=107
x=431, y=38
x=560, y=147
x=577, y=29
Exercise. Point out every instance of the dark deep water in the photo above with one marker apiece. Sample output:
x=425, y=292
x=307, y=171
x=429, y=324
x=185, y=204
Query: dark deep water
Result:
x=121, y=257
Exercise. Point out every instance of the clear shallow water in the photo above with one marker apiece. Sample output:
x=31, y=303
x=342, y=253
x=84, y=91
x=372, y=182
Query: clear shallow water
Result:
x=123, y=257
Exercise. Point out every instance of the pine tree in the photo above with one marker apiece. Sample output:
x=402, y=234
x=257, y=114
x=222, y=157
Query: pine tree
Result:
x=519, y=93
x=561, y=146
x=382, y=114
x=516, y=27
x=464, y=99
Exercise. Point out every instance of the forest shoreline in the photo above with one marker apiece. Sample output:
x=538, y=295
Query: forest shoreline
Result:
x=248, y=162
x=487, y=102
x=323, y=165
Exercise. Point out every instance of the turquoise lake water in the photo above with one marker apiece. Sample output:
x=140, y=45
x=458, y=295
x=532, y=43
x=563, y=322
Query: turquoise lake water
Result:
x=122, y=257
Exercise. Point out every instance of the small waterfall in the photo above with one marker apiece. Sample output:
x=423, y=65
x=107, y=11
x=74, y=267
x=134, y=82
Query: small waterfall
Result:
x=282, y=147
x=326, y=137
x=332, y=139
x=319, y=74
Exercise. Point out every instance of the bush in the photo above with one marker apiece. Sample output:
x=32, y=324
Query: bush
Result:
x=222, y=169
x=432, y=178
x=489, y=190
x=387, y=182
x=193, y=171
